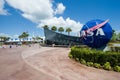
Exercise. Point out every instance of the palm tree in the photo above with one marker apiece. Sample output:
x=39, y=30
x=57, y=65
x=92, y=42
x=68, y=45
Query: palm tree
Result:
x=24, y=35
x=113, y=31
x=45, y=27
x=20, y=37
x=33, y=38
x=114, y=37
x=68, y=30
x=38, y=38
x=3, y=39
x=61, y=29
x=54, y=28
x=119, y=35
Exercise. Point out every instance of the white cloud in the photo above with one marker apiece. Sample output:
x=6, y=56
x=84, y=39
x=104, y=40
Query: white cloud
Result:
x=34, y=10
x=60, y=8
x=60, y=22
x=4, y=35
x=42, y=13
x=15, y=36
x=2, y=10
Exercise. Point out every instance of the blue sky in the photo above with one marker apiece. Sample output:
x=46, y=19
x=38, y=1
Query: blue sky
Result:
x=29, y=15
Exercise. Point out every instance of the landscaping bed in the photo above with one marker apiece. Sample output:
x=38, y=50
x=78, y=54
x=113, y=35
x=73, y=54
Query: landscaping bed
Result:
x=91, y=57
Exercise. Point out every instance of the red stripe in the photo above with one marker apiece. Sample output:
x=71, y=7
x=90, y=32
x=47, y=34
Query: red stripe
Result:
x=97, y=26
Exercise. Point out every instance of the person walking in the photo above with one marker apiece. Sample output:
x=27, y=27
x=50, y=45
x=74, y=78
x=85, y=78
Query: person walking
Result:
x=10, y=46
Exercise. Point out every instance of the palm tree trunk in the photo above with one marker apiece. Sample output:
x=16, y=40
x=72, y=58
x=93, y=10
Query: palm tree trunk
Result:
x=68, y=33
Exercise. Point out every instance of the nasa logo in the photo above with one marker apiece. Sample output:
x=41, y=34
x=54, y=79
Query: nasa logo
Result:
x=96, y=33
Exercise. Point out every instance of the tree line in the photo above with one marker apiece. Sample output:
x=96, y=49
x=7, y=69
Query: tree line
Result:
x=26, y=35
x=60, y=29
x=22, y=36
x=115, y=36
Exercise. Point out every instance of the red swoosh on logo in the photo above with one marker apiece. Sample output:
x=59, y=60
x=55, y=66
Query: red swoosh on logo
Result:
x=97, y=26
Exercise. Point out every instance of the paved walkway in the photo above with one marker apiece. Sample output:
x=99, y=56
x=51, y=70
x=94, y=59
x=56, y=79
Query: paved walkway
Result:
x=55, y=62
x=34, y=63
x=13, y=67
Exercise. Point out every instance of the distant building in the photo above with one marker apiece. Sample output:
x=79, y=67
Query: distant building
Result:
x=22, y=40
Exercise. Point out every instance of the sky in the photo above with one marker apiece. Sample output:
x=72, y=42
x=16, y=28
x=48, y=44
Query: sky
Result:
x=17, y=16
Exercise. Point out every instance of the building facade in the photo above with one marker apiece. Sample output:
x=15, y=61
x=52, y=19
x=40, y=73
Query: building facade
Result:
x=52, y=37
x=23, y=40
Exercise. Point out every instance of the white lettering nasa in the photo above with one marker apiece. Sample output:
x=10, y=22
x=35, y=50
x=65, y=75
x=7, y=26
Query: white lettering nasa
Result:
x=90, y=33
x=100, y=32
x=82, y=33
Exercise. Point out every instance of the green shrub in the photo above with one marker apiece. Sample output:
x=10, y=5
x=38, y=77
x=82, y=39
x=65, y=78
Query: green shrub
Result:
x=115, y=48
x=77, y=59
x=89, y=63
x=107, y=66
x=117, y=68
x=96, y=56
x=83, y=61
x=96, y=65
x=70, y=55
